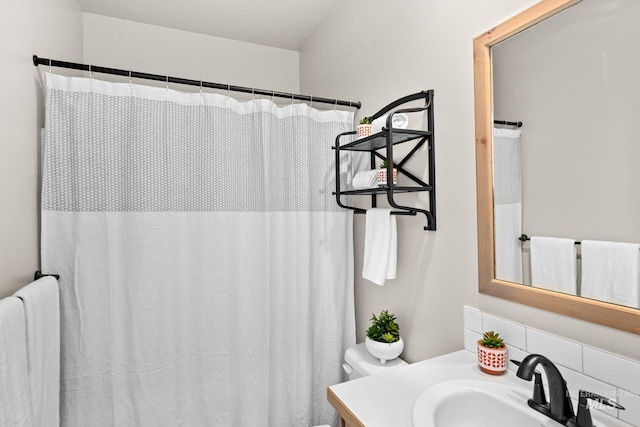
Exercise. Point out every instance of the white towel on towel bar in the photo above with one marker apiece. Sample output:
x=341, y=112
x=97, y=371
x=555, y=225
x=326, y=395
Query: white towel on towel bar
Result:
x=42, y=312
x=611, y=272
x=380, y=246
x=15, y=398
x=553, y=264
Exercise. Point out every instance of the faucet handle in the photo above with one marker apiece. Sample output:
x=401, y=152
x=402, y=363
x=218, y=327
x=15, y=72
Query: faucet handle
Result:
x=538, y=388
x=584, y=415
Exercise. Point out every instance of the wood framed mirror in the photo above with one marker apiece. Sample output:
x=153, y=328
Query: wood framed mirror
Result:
x=612, y=315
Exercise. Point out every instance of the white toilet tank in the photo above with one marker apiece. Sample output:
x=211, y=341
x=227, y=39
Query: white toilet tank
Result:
x=360, y=363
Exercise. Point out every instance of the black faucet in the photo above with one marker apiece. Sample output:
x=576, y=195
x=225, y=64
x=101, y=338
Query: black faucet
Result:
x=559, y=407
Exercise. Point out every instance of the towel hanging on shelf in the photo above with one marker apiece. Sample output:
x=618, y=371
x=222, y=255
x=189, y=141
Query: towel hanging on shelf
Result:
x=380, y=246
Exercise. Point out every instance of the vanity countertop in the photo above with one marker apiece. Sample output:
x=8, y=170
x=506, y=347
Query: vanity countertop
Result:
x=386, y=399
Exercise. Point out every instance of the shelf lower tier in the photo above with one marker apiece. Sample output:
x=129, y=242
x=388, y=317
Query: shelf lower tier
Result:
x=384, y=189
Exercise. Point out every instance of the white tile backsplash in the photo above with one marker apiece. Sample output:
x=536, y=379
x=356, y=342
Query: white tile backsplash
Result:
x=559, y=350
x=513, y=333
x=616, y=370
x=583, y=367
x=631, y=402
x=473, y=319
x=471, y=340
x=577, y=381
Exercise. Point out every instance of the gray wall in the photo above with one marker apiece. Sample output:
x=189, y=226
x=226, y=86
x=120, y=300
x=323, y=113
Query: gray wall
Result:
x=148, y=48
x=376, y=54
x=48, y=28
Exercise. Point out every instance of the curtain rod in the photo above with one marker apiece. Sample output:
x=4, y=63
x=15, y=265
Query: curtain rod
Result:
x=502, y=122
x=138, y=75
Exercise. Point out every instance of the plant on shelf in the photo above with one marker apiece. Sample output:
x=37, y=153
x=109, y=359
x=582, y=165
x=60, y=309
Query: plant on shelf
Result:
x=383, y=337
x=492, y=353
x=382, y=174
x=364, y=128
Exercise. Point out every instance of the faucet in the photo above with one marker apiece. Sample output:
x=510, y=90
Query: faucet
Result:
x=559, y=407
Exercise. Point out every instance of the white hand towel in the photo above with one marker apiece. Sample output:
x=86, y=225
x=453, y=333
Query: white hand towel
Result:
x=611, y=272
x=15, y=398
x=553, y=264
x=42, y=312
x=365, y=179
x=380, y=246
x=399, y=121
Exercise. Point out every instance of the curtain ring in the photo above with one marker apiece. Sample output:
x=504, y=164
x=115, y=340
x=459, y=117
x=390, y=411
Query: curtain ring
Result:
x=229, y=90
x=335, y=106
x=272, y=95
x=253, y=93
x=200, y=87
x=167, y=80
x=90, y=72
x=49, y=65
x=129, y=76
x=311, y=101
x=292, y=99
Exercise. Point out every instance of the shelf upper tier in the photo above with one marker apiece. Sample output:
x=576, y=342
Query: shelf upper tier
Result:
x=379, y=140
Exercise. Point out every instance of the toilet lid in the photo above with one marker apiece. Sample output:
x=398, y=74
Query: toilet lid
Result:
x=359, y=358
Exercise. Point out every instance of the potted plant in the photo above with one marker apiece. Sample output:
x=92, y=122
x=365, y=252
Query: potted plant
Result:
x=364, y=128
x=382, y=174
x=492, y=354
x=383, y=337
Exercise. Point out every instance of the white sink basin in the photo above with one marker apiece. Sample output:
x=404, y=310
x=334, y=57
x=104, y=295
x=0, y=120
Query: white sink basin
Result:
x=476, y=403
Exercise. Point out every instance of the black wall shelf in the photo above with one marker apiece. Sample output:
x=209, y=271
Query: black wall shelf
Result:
x=381, y=145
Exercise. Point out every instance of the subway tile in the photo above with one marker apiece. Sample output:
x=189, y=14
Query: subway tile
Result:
x=601, y=419
x=471, y=340
x=631, y=403
x=559, y=350
x=473, y=319
x=514, y=353
x=615, y=370
x=512, y=333
x=577, y=381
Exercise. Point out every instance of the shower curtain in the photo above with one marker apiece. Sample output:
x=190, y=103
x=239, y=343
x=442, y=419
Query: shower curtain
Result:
x=507, y=204
x=206, y=271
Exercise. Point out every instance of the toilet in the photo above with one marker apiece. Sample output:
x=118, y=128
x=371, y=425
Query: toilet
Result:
x=360, y=363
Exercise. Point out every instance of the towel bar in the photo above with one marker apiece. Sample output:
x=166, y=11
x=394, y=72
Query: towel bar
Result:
x=39, y=275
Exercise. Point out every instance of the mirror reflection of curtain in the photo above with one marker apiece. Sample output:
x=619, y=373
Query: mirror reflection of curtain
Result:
x=507, y=204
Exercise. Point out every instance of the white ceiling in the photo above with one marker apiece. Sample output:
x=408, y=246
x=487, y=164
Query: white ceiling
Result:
x=285, y=24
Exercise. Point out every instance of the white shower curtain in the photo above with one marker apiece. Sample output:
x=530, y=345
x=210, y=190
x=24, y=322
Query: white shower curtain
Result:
x=206, y=271
x=507, y=189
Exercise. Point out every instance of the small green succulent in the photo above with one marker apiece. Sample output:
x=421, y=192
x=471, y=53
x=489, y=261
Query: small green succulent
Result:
x=365, y=121
x=384, y=328
x=492, y=340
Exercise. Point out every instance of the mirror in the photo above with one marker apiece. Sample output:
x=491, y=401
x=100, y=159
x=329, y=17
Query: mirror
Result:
x=500, y=98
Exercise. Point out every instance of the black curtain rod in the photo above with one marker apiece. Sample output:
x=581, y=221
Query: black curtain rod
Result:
x=135, y=74
x=502, y=122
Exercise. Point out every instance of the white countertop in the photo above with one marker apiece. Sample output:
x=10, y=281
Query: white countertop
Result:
x=386, y=399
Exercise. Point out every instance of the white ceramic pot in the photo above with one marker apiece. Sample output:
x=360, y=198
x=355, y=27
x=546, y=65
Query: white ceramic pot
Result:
x=384, y=350
x=492, y=361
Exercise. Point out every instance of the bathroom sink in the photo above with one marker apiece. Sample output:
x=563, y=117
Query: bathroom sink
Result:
x=476, y=403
